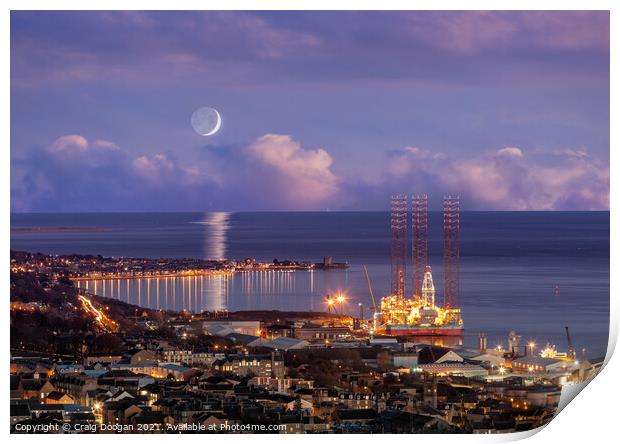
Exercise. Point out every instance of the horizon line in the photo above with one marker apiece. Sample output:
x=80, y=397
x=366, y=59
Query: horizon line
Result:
x=292, y=211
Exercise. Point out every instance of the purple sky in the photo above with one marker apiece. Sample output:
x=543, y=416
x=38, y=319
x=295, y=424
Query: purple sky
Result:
x=321, y=110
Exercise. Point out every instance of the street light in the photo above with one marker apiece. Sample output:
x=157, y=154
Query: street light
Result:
x=341, y=300
x=330, y=303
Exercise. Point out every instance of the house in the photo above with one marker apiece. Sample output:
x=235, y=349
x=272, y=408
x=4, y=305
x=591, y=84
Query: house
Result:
x=139, y=356
x=216, y=420
x=76, y=385
x=57, y=397
x=357, y=400
x=35, y=388
x=102, y=358
x=62, y=369
x=301, y=405
x=176, y=355
x=174, y=371
x=120, y=412
x=38, y=368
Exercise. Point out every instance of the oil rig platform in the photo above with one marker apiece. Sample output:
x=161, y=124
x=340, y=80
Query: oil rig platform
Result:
x=419, y=314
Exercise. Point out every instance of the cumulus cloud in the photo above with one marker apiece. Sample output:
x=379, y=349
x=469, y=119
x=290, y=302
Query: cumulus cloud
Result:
x=275, y=172
x=510, y=151
x=105, y=145
x=299, y=177
x=505, y=179
x=75, y=174
x=76, y=144
x=159, y=169
x=73, y=143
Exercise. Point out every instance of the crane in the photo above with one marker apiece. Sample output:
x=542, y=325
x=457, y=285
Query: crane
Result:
x=372, y=296
x=571, y=350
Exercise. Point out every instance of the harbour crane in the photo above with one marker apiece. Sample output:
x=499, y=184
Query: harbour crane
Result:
x=571, y=350
x=372, y=296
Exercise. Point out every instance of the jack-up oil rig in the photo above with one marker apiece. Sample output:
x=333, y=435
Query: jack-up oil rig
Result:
x=419, y=315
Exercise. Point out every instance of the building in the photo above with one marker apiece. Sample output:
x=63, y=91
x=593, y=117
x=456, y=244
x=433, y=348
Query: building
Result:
x=101, y=358
x=57, y=397
x=283, y=343
x=493, y=359
x=317, y=333
x=437, y=355
x=243, y=327
x=255, y=365
x=537, y=364
x=454, y=369
x=404, y=360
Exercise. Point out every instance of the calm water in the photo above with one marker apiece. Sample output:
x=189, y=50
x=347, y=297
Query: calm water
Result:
x=510, y=264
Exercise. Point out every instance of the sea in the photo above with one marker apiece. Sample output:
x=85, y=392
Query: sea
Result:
x=533, y=273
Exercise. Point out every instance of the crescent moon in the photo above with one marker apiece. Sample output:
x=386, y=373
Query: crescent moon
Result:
x=217, y=124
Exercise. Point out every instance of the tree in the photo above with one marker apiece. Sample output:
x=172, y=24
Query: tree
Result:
x=107, y=343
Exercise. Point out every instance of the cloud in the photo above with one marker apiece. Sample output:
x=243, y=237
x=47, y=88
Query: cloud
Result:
x=135, y=46
x=505, y=179
x=105, y=145
x=74, y=174
x=159, y=170
x=155, y=48
x=275, y=172
x=77, y=145
x=470, y=32
x=578, y=153
x=301, y=178
x=71, y=144
x=510, y=151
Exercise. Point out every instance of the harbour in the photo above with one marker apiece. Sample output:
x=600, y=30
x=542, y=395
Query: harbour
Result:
x=510, y=264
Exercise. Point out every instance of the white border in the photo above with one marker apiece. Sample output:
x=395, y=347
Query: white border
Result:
x=591, y=418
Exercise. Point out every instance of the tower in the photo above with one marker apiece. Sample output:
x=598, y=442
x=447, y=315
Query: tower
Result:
x=428, y=288
x=482, y=342
x=419, y=236
x=451, y=252
x=399, y=243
